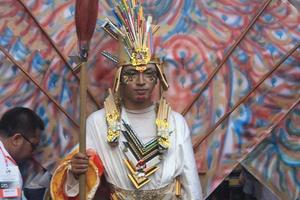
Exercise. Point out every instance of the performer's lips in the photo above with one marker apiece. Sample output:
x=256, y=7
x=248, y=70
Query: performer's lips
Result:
x=141, y=91
x=141, y=94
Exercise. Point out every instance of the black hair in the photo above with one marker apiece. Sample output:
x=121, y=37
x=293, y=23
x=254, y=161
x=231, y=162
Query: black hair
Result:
x=20, y=120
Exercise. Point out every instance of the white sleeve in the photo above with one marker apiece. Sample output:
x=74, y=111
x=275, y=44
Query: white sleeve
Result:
x=91, y=132
x=189, y=177
x=71, y=186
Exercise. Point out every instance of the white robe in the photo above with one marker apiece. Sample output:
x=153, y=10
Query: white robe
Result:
x=178, y=160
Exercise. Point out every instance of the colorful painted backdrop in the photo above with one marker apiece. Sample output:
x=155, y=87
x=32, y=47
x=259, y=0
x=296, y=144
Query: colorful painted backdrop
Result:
x=37, y=37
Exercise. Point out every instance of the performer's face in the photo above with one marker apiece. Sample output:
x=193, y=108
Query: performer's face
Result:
x=137, y=86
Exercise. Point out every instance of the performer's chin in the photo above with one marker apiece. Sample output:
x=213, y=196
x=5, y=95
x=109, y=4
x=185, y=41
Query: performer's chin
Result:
x=140, y=98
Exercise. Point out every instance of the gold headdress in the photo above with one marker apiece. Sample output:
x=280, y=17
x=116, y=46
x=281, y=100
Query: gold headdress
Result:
x=135, y=35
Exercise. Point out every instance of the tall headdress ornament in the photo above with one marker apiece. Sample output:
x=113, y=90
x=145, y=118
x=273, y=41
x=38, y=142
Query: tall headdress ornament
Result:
x=135, y=35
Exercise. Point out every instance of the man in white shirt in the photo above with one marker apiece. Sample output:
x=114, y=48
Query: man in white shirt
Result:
x=144, y=147
x=19, y=136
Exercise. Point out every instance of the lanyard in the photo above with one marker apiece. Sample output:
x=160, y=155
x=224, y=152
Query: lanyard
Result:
x=6, y=158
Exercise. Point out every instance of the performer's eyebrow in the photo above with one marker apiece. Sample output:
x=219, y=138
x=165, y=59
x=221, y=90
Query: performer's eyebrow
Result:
x=150, y=70
x=130, y=70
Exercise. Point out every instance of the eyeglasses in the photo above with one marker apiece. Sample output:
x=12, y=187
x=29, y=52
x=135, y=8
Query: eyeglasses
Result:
x=33, y=146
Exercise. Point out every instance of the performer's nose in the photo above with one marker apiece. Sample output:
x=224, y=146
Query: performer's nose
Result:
x=141, y=80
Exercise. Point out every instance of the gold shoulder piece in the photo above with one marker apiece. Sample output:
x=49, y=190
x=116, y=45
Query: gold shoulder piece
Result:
x=162, y=124
x=112, y=116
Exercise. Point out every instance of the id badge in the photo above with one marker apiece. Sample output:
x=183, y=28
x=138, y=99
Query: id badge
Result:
x=10, y=183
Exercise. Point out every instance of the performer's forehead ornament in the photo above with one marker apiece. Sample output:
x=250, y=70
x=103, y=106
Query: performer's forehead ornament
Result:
x=135, y=35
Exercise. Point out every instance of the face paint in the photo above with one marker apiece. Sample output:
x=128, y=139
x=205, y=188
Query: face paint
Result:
x=132, y=75
x=141, y=68
x=137, y=86
x=125, y=79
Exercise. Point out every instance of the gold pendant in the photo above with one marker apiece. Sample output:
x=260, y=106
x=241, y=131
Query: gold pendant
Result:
x=137, y=176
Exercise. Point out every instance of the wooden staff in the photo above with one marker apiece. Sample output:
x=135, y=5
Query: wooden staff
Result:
x=86, y=12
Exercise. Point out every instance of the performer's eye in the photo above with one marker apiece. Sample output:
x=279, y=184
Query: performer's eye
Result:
x=151, y=74
x=129, y=75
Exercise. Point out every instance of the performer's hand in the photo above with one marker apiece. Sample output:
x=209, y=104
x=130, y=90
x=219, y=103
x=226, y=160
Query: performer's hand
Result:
x=79, y=164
